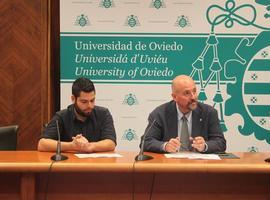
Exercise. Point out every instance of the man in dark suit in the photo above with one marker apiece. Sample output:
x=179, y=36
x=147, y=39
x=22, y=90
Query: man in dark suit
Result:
x=164, y=131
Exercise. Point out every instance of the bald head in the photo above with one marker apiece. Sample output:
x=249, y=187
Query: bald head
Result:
x=180, y=81
x=184, y=93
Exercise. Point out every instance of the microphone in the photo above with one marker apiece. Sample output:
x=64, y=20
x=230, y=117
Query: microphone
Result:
x=58, y=156
x=141, y=156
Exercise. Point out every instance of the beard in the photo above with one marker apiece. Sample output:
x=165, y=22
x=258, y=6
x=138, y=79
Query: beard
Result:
x=81, y=112
x=192, y=105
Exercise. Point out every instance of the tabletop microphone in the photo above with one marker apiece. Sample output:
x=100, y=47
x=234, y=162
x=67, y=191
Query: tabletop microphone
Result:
x=58, y=156
x=141, y=156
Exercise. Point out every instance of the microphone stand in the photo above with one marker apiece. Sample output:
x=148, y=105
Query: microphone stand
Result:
x=58, y=156
x=141, y=156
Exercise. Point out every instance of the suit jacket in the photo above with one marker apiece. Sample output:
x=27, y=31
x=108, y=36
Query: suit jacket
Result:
x=163, y=126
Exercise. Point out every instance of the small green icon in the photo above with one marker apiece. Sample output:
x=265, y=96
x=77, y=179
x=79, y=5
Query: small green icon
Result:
x=130, y=100
x=129, y=135
x=263, y=121
x=253, y=99
x=82, y=20
x=182, y=21
x=254, y=77
x=253, y=149
x=132, y=21
x=157, y=4
x=264, y=54
x=106, y=3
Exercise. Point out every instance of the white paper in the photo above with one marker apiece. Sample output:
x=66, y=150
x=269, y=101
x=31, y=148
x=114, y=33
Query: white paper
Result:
x=191, y=155
x=98, y=155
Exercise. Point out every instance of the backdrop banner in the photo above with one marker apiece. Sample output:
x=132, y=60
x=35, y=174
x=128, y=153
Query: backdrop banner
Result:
x=132, y=49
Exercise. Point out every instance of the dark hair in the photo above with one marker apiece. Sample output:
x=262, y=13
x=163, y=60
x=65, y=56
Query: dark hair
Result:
x=82, y=85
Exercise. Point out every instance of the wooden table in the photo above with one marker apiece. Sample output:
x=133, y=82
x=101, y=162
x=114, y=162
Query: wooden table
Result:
x=25, y=175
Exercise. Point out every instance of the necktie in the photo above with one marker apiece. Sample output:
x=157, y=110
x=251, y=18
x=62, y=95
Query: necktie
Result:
x=184, y=138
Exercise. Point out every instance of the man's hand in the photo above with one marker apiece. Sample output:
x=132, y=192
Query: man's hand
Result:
x=81, y=144
x=198, y=144
x=173, y=145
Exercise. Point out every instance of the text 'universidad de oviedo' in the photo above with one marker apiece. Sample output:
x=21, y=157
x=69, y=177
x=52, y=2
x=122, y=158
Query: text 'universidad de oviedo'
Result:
x=129, y=46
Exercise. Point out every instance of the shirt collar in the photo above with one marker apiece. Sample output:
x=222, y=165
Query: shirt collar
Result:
x=180, y=114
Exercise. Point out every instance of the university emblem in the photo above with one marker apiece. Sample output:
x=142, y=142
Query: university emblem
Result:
x=130, y=100
x=182, y=21
x=245, y=75
x=107, y=3
x=157, y=4
x=82, y=20
x=132, y=21
x=129, y=135
x=253, y=149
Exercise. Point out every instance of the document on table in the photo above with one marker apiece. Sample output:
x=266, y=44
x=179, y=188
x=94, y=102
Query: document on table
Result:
x=191, y=155
x=98, y=155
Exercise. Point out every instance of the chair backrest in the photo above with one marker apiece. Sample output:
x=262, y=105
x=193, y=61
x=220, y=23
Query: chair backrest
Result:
x=8, y=137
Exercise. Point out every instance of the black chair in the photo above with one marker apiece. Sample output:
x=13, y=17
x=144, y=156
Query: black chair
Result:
x=8, y=137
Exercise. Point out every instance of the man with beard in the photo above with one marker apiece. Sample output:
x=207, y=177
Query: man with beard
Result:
x=169, y=121
x=83, y=126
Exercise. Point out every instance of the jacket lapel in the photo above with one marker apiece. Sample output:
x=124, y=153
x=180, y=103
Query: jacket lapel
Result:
x=196, y=122
x=172, y=120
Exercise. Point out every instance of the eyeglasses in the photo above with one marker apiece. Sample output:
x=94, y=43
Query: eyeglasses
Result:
x=190, y=93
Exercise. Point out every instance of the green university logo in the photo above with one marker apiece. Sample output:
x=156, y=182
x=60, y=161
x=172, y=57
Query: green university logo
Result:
x=253, y=149
x=129, y=135
x=132, y=21
x=130, y=99
x=247, y=72
x=157, y=4
x=182, y=21
x=106, y=3
x=252, y=82
x=82, y=20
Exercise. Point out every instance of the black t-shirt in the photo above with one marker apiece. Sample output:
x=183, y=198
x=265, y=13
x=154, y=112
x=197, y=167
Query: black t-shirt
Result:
x=98, y=126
